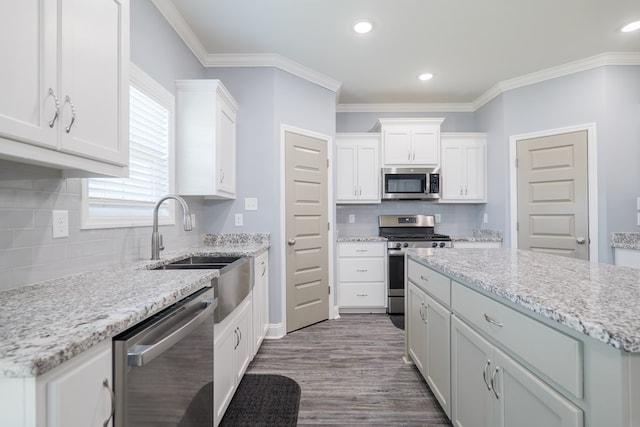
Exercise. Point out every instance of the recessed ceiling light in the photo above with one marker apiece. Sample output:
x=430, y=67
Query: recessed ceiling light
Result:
x=362, y=27
x=425, y=76
x=631, y=27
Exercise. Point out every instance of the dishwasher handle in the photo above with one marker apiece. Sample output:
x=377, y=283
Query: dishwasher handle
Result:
x=142, y=354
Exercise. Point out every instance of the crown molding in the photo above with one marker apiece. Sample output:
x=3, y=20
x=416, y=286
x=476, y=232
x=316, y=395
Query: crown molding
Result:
x=603, y=59
x=175, y=19
x=273, y=60
x=405, y=108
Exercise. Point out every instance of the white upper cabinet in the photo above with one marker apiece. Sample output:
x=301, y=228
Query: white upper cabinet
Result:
x=410, y=142
x=463, y=169
x=205, y=139
x=358, y=168
x=65, y=84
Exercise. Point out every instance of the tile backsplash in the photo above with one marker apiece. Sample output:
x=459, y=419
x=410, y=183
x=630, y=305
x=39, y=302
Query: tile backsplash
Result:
x=29, y=254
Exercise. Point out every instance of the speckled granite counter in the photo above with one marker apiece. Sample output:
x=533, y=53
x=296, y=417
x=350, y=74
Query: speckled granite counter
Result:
x=45, y=324
x=599, y=300
x=365, y=239
x=625, y=240
x=482, y=235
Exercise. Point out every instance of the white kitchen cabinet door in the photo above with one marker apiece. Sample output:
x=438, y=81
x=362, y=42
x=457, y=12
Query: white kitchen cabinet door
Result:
x=410, y=142
x=260, y=299
x=438, y=363
x=417, y=331
x=94, y=76
x=425, y=143
x=28, y=45
x=81, y=395
x=397, y=147
x=524, y=400
x=357, y=168
x=205, y=139
x=65, y=85
x=472, y=402
x=362, y=272
x=463, y=168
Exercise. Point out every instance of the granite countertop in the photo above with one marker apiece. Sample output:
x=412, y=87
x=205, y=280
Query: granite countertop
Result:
x=356, y=239
x=45, y=324
x=598, y=300
x=482, y=235
x=625, y=240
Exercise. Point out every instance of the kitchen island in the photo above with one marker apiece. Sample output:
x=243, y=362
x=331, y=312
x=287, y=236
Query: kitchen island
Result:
x=552, y=335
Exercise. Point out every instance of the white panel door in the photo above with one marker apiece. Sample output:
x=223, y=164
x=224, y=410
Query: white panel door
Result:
x=425, y=145
x=28, y=85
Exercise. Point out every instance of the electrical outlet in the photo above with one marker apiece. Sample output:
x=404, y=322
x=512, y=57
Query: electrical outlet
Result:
x=251, y=204
x=352, y=218
x=638, y=219
x=485, y=218
x=438, y=218
x=239, y=220
x=193, y=220
x=60, y=223
x=638, y=203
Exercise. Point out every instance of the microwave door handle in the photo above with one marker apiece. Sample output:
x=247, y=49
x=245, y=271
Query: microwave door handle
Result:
x=140, y=355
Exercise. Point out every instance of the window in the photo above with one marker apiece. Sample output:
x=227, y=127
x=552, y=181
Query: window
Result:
x=129, y=202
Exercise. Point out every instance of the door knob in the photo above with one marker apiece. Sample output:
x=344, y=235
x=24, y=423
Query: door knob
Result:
x=291, y=242
x=580, y=240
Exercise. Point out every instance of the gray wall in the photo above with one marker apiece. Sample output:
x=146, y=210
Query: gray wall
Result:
x=28, y=194
x=267, y=97
x=608, y=96
x=364, y=122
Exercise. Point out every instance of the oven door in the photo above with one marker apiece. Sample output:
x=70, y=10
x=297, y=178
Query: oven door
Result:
x=395, y=281
x=163, y=368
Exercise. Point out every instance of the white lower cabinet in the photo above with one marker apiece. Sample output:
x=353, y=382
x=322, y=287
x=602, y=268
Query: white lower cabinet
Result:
x=491, y=389
x=233, y=349
x=260, y=299
x=428, y=343
x=362, y=276
x=627, y=257
x=79, y=392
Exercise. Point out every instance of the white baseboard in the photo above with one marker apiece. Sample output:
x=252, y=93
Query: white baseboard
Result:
x=276, y=331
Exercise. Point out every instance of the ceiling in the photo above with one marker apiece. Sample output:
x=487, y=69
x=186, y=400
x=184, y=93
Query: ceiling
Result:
x=471, y=46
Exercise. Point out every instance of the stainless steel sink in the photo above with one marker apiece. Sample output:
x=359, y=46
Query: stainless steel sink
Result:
x=231, y=287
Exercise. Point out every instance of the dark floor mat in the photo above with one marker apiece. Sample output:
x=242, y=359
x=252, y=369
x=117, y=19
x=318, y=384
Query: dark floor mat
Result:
x=397, y=320
x=264, y=400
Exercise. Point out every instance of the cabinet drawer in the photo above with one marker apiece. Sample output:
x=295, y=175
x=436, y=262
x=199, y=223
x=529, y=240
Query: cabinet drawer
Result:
x=361, y=270
x=553, y=353
x=361, y=295
x=377, y=249
x=430, y=281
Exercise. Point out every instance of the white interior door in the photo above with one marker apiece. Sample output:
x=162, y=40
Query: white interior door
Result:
x=553, y=194
x=306, y=230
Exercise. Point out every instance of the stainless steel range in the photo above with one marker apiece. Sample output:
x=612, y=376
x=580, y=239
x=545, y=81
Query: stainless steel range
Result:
x=402, y=232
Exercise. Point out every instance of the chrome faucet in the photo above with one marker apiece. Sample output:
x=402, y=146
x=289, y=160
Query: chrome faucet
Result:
x=156, y=238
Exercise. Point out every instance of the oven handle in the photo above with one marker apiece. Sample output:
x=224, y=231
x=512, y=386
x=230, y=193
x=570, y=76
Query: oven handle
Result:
x=140, y=355
x=395, y=252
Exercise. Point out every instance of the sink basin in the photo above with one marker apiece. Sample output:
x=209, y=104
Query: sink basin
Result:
x=232, y=285
x=200, y=262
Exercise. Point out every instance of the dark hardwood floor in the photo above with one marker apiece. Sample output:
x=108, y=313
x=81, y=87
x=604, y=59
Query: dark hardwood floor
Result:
x=351, y=372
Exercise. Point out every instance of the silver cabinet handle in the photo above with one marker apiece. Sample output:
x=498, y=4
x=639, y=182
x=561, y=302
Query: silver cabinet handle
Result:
x=426, y=279
x=409, y=158
x=362, y=250
x=355, y=190
x=461, y=190
x=221, y=175
x=55, y=116
x=73, y=113
x=492, y=321
x=484, y=374
x=105, y=383
x=264, y=268
x=235, y=332
x=580, y=240
x=239, y=335
x=291, y=242
x=362, y=295
x=466, y=190
x=493, y=383
x=362, y=271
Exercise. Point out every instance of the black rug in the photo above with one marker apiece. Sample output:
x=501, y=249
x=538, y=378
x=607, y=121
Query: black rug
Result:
x=397, y=320
x=264, y=400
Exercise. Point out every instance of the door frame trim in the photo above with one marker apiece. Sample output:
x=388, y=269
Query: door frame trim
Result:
x=284, y=128
x=592, y=179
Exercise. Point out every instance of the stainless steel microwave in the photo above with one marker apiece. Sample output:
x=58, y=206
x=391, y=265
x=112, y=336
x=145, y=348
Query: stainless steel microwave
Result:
x=411, y=183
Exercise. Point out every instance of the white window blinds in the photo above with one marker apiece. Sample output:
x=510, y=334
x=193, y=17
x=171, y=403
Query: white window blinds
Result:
x=119, y=202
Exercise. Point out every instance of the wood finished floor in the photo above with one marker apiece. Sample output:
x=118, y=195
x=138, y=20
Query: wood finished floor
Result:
x=351, y=372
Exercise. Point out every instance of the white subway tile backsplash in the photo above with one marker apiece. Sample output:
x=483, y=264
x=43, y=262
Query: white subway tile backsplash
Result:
x=16, y=219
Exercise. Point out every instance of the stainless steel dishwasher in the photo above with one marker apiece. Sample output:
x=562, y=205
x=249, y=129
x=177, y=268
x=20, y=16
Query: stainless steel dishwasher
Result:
x=163, y=367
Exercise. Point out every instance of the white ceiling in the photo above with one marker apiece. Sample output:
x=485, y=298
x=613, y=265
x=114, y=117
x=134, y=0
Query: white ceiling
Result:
x=471, y=46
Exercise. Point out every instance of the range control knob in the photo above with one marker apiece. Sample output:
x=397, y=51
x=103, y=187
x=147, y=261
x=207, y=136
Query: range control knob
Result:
x=434, y=245
x=442, y=244
x=398, y=245
x=406, y=245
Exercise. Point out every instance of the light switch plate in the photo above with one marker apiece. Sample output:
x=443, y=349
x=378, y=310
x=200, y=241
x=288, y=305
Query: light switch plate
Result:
x=352, y=218
x=438, y=218
x=251, y=204
x=485, y=218
x=639, y=219
x=60, y=223
x=239, y=220
x=193, y=220
x=638, y=203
